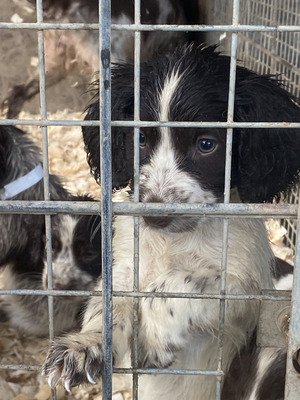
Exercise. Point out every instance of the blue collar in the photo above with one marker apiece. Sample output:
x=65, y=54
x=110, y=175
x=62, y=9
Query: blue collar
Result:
x=21, y=184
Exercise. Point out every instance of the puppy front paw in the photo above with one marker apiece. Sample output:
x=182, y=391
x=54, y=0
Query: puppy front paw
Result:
x=74, y=359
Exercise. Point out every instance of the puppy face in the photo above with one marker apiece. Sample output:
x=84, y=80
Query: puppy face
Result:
x=185, y=165
x=180, y=158
x=181, y=166
x=76, y=253
x=178, y=165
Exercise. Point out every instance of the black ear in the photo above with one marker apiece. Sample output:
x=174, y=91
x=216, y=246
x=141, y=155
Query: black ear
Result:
x=122, y=138
x=18, y=154
x=5, y=150
x=268, y=159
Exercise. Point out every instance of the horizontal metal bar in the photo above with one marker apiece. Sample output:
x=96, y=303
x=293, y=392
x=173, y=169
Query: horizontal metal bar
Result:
x=21, y=366
x=132, y=209
x=125, y=370
x=49, y=207
x=164, y=295
x=143, y=124
x=49, y=292
x=204, y=28
x=166, y=371
x=265, y=296
x=144, y=27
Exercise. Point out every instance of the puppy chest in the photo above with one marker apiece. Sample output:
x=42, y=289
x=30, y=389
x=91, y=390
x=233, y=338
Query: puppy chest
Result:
x=164, y=258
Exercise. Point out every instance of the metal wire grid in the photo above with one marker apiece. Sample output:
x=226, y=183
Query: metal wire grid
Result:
x=290, y=224
x=266, y=52
x=276, y=54
x=136, y=209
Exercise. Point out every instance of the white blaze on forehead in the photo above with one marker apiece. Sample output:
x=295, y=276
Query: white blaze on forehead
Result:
x=163, y=177
x=67, y=225
x=166, y=95
x=63, y=266
x=167, y=92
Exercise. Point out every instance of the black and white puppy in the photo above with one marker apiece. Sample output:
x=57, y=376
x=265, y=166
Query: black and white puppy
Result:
x=76, y=242
x=122, y=43
x=65, y=50
x=184, y=254
x=258, y=373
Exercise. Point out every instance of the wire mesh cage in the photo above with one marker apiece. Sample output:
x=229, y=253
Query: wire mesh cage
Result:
x=265, y=51
x=273, y=52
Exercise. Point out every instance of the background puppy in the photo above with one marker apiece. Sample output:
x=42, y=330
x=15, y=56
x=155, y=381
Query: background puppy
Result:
x=76, y=245
x=68, y=49
x=256, y=373
x=259, y=373
x=184, y=254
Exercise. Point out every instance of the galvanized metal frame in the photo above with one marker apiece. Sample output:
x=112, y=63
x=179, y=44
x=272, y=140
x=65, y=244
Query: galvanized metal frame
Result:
x=137, y=209
x=136, y=130
x=106, y=192
x=43, y=111
x=145, y=27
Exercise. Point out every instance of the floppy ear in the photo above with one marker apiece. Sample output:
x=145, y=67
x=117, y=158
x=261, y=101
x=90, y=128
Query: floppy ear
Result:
x=122, y=138
x=18, y=154
x=268, y=159
x=5, y=149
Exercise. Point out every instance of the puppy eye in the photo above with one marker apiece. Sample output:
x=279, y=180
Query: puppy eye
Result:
x=142, y=139
x=205, y=145
x=56, y=245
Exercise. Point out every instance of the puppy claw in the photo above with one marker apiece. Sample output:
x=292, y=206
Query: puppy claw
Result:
x=90, y=379
x=50, y=382
x=74, y=360
x=67, y=385
x=53, y=379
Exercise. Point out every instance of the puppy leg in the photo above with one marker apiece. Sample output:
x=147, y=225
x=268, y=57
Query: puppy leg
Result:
x=78, y=358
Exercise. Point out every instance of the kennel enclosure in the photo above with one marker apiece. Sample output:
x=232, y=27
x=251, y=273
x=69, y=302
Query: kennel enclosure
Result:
x=264, y=35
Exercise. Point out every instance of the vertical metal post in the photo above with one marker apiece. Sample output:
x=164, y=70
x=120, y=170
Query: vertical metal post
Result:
x=137, y=47
x=230, y=118
x=43, y=110
x=106, y=191
x=292, y=384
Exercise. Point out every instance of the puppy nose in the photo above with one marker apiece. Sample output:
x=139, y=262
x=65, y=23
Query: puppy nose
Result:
x=59, y=286
x=158, y=222
x=56, y=285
